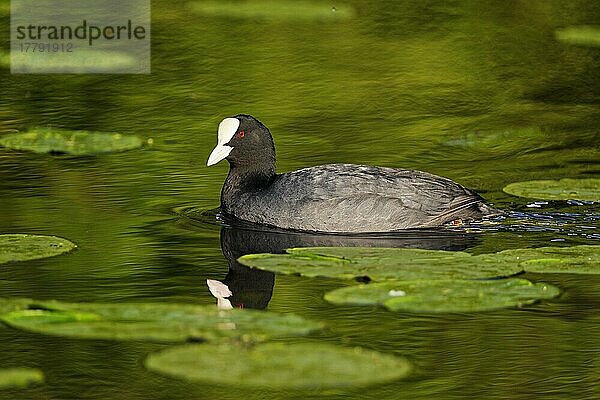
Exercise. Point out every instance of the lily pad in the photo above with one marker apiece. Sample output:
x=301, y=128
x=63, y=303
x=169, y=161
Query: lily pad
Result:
x=381, y=264
x=20, y=377
x=80, y=61
x=583, y=259
x=155, y=322
x=19, y=247
x=585, y=35
x=564, y=189
x=50, y=140
x=444, y=296
x=10, y=305
x=279, y=365
x=273, y=10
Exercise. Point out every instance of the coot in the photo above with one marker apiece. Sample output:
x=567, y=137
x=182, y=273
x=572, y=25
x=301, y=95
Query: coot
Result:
x=341, y=198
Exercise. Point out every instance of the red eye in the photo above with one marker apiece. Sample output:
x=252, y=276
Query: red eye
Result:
x=241, y=134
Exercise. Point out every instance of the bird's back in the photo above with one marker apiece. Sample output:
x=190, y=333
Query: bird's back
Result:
x=357, y=198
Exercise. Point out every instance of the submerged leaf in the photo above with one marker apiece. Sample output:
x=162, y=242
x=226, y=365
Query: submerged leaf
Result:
x=19, y=247
x=155, y=322
x=19, y=377
x=564, y=189
x=585, y=35
x=380, y=263
x=81, y=61
x=51, y=140
x=510, y=141
x=444, y=296
x=279, y=365
x=273, y=10
x=4, y=59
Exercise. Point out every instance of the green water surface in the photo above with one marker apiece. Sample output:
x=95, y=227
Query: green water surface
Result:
x=480, y=92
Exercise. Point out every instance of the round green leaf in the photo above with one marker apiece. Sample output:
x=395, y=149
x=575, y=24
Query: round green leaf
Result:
x=279, y=365
x=273, y=10
x=564, y=189
x=19, y=377
x=83, y=60
x=155, y=322
x=444, y=296
x=584, y=35
x=50, y=140
x=583, y=259
x=380, y=264
x=39, y=316
x=16, y=304
x=18, y=247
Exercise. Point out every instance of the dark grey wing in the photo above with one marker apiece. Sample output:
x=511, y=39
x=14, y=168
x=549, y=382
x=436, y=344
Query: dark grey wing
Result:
x=360, y=198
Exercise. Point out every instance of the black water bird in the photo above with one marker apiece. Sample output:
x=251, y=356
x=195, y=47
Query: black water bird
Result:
x=341, y=198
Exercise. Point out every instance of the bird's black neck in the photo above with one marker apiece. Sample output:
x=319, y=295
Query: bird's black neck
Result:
x=246, y=178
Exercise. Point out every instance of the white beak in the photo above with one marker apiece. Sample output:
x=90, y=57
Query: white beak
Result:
x=227, y=128
x=219, y=153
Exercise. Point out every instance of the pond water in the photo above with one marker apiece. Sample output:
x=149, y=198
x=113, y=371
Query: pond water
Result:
x=480, y=92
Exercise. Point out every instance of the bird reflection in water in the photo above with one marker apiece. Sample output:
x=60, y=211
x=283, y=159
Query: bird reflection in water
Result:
x=245, y=287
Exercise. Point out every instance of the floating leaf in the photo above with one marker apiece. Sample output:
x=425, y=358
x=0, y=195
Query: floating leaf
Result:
x=50, y=140
x=273, y=10
x=381, y=263
x=564, y=189
x=155, y=322
x=19, y=377
x=585, y=35
x=80, y=60
x=10, y=305
x=19, y=247
x=279, y=365
x=444, y=296
x=572, y=260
